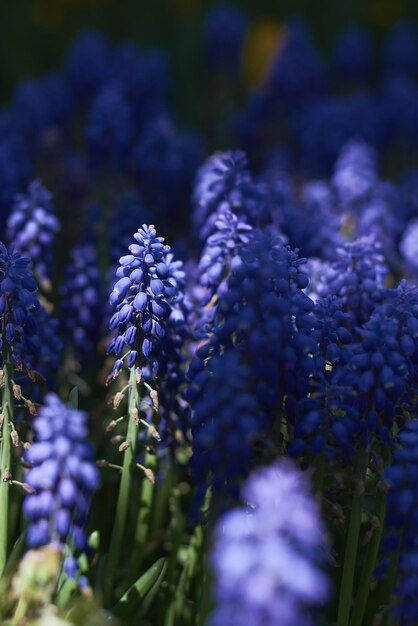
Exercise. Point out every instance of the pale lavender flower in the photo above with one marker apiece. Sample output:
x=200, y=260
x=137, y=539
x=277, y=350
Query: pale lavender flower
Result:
x=267, y=557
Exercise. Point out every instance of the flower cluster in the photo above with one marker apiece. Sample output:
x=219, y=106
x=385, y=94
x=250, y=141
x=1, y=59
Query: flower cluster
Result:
x=18, y=302
x=109, y=127
x=222, y=183
x=358, y=278
x=268, y=555
x=163, y=153
x=355, y=173
x=225, y=29
x=147, y=286
x=402, y=506
x=32, y=227
x=63, y=477
x=264, y=317
x=353, y=55
x=81, y=302
x=47, y=346
x=224, y=424
x=246, y=353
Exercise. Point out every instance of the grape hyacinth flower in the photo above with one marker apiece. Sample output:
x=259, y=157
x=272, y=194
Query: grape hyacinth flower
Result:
x=220, y=256
x=165, y=162
x=222, y=250
x=146, y=297
x=382, y=367
x=63, y=478
x=264, y=319
x=409, y=247
x=357, y=278
x=147, y=286
x=109, y=127
x=87, y=63
x=32, y=228
x=380, y=215
x=268, y=557
x=297, y=74
x=401, y=50
x=328, y=124
x=399, y=105
x=222, y=182
x=47, y=346
x=29, y=109
x=402, y=519
x=355, y=173
x=148, y=87
x=12, y=175
x=224, y=423
x=18, y=302
x=225, y=29
x=81, y=304
x=312, y=225
x=18, y=306
x=408, y=195
x=353, y=55
x=266, y=311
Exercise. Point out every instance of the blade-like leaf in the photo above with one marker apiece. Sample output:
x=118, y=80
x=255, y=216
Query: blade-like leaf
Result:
x=137, y=592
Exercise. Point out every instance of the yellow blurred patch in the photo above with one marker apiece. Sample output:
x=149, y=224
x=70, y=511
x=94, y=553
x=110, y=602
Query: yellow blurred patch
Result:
x=385, y=12
x=263, y=43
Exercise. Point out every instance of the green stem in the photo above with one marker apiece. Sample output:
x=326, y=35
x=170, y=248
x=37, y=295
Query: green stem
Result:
x=360, y=602
x=144, y=516
x=194, y=555
x=162, y=496
x=20, y=611
x=7, y=410
x=122, y=505
x=205, y=599
x=350, y=557
x=389, y=585
x=175, y=533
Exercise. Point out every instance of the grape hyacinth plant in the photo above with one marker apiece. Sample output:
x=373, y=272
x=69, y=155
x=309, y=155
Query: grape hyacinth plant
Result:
x=81, y=303
x=223, y=429
x=62, y=480
x=143, y=296
x=18, y=305
x=32, y=228
x=280, y=540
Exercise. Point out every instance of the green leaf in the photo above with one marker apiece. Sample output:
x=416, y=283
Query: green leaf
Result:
x=100, y=574
x=67, y=589
x=137, y=592
x=16, y=553
x=73, y=398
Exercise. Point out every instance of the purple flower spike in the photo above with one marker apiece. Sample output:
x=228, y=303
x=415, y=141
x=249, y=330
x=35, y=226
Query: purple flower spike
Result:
x=267, y=556
x=148, y=286
x=62, y=476
x=32, y=227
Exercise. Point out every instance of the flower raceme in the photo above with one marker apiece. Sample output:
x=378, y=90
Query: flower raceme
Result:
x=81, y=301
x=17, y=303
x=267, y=556
x=147, y=286
x=32, y=227
x=402, y=519
x=63, y=476
x=263, y=323
x=222, y=182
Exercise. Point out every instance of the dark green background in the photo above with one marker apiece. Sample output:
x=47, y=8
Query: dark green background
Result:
x=34, y=34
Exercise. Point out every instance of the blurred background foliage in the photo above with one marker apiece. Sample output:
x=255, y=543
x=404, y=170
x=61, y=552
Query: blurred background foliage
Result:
x=35, y=34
